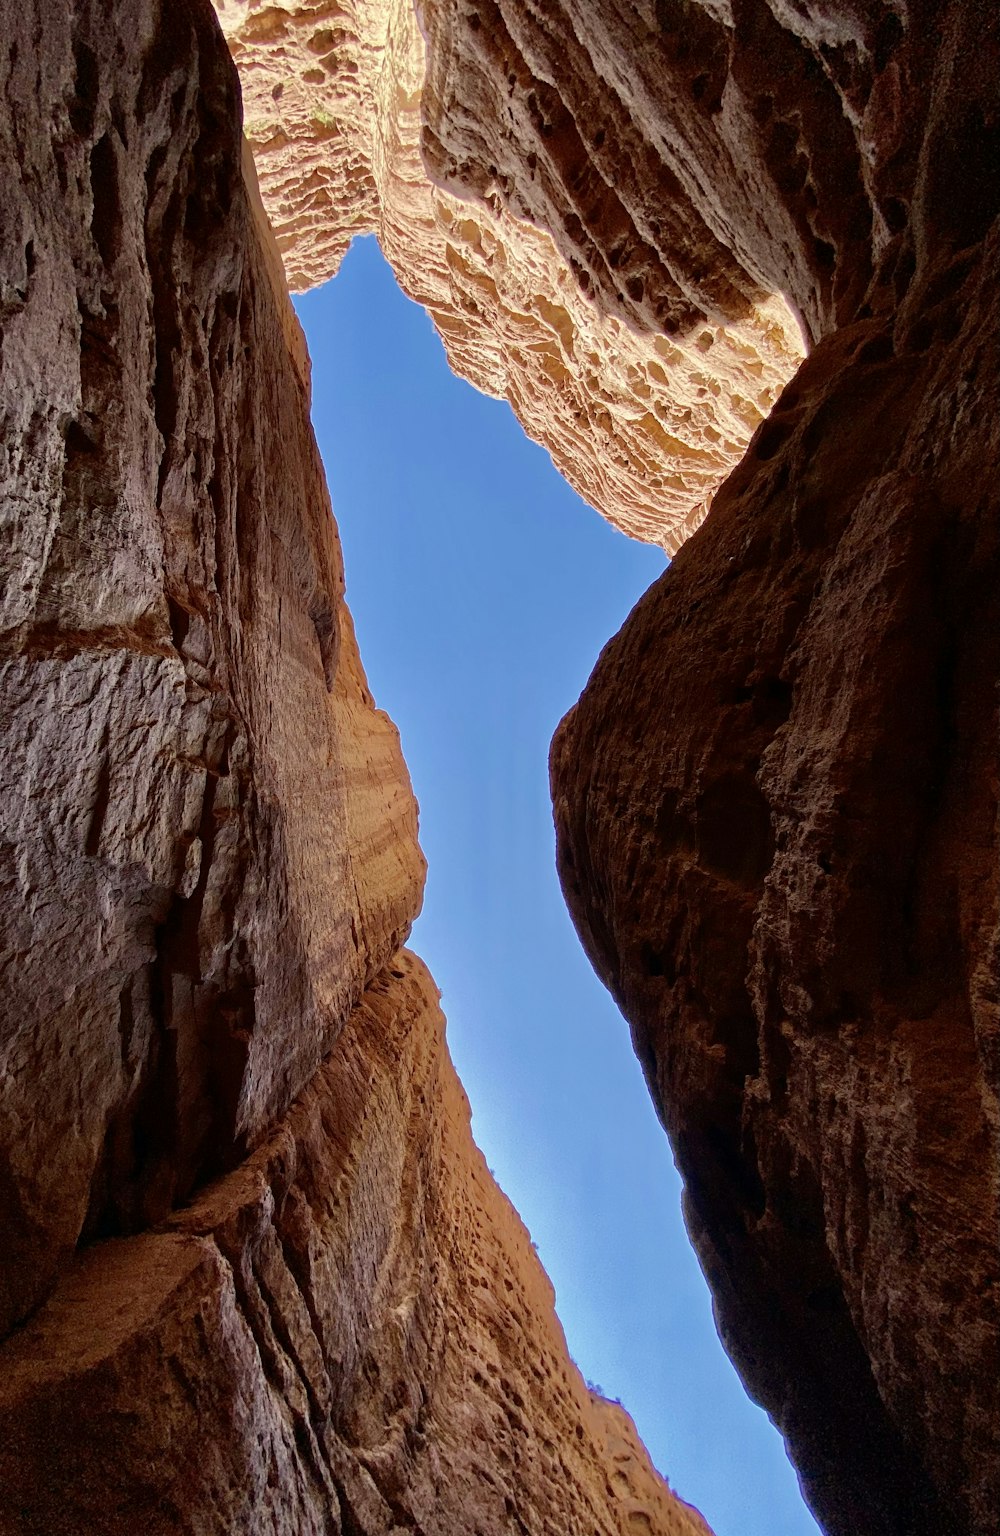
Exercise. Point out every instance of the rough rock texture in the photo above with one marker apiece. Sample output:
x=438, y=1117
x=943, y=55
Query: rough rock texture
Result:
x=776, y=801
x=220, y=1311
x=688, y=153
x=643, y=416
x=350, y=1333
x=208, y=836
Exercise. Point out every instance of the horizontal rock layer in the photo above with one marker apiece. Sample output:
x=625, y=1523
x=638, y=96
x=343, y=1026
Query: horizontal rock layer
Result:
x=642, y=418
x=351, y=1333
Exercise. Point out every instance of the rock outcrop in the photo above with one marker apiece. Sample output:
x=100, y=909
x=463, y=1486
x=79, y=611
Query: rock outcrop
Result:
x=209, y=840
x=776, y=801
x=643, y=416
x=255, y=1275
x=349, y=1333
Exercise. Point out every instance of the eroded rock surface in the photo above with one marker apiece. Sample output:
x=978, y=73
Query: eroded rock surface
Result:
x=686, y=156
x=255, y=1276
x=209, y=840
x=350, y=1333
x=644, y=420
x=776, y=808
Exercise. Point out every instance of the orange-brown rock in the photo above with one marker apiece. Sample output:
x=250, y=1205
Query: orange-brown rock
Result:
x=255, y=1275
x=645, y=423
x=209, y=840
x=351, y=1333
x=776, y=801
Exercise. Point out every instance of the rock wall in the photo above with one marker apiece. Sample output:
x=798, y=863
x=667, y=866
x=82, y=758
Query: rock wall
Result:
x=209, y=840
x=350, y=1333
x=776, y=802
x=643, y=419
x=255, y=1275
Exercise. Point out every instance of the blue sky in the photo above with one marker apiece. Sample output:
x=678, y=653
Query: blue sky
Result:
x=483, y=590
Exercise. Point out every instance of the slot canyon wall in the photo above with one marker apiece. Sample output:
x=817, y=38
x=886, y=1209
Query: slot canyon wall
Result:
x=776, y=801
x=255, y=1275
x=255, y=1269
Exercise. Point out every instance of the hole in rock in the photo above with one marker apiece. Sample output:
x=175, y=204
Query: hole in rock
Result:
x=482, y=590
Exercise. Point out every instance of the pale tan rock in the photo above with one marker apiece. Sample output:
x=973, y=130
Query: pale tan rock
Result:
x=643, y=423
x=350, y=1333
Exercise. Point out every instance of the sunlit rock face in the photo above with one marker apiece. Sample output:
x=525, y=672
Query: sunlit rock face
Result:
x=683, y=153
x=644, y=416
x=254, y=1274
x=209, y=840
x=776, y=801
x=349, y=1333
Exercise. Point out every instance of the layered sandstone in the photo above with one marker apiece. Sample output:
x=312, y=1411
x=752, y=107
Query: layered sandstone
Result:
x=350, y=1333
x=776, y=801
x=643, y=411
x=255, y=1275
x=209, y=840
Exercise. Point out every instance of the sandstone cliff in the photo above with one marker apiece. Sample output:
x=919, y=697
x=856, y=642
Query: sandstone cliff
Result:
x=643, y=416
x=776, y=801
x=255, y=1275
x=349, y=1333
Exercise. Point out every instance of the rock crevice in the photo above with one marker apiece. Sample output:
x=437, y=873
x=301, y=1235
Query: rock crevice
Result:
x=255, y=1274
x=246, y=1226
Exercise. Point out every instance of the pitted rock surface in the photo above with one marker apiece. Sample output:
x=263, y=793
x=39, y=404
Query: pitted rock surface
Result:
x=643, y=421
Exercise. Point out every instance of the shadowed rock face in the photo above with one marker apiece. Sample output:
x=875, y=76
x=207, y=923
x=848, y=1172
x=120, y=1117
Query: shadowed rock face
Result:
x=254, y=1274
x=776, y=820
x=776, y=811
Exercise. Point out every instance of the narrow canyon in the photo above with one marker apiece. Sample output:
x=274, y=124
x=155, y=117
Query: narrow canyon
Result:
x=734, y=263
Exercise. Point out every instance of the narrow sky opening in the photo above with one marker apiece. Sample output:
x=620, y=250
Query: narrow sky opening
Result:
x=483, y=590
